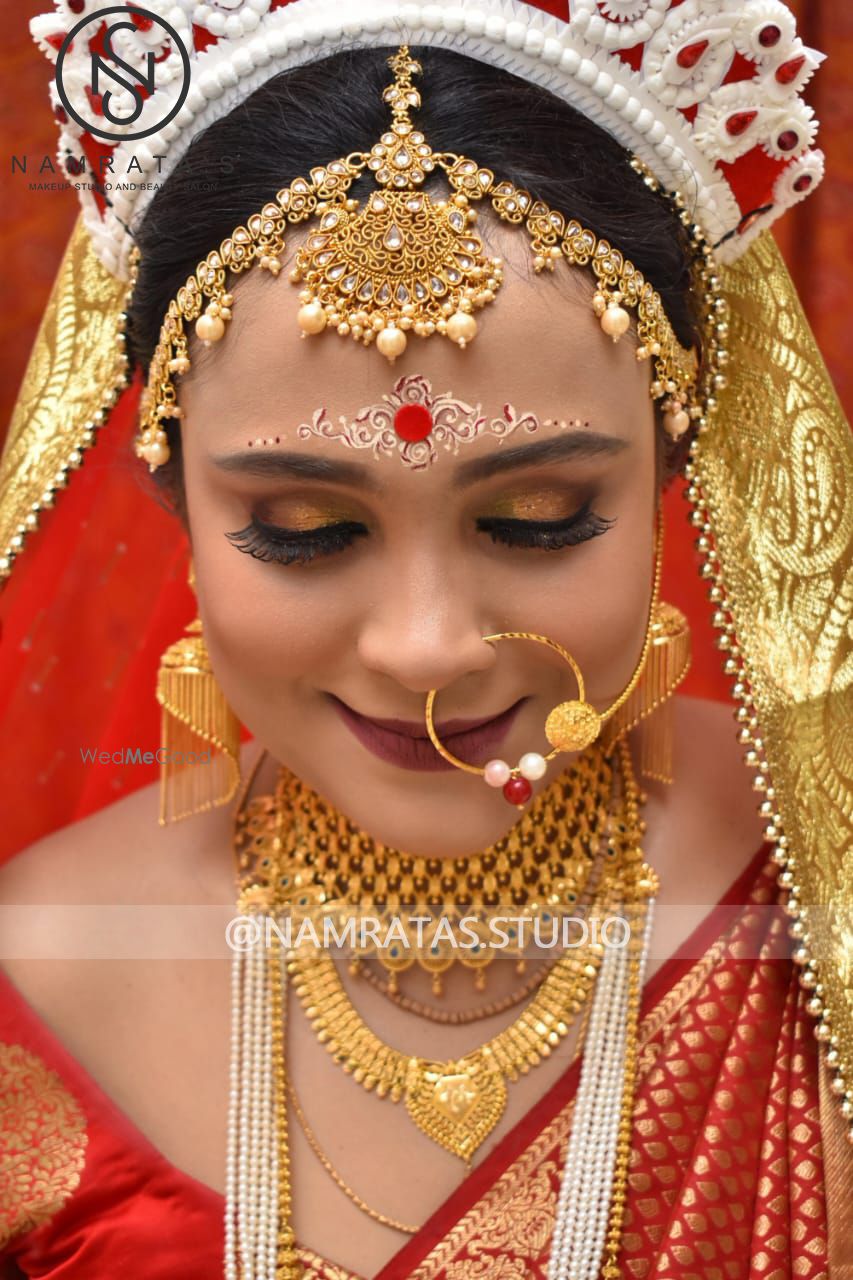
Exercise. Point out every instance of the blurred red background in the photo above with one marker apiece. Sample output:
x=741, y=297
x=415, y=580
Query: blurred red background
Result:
x=814, y=236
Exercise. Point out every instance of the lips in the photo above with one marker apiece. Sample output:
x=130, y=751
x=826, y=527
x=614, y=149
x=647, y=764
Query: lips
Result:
x=406, y=743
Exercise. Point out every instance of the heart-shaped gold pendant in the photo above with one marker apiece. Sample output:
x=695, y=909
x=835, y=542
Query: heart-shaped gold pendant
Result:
x=457, y=1104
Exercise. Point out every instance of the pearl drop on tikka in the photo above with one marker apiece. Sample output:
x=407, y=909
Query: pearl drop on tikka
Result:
x=615, y=321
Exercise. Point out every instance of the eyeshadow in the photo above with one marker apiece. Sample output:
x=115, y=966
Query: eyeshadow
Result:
x=540, y=504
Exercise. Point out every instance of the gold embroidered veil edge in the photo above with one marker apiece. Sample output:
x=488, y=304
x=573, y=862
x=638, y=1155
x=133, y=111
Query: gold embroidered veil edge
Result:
x=775, y=472
x=76, y=369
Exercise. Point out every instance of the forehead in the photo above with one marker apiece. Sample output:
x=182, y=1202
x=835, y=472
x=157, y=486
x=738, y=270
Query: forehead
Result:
x=539, y=350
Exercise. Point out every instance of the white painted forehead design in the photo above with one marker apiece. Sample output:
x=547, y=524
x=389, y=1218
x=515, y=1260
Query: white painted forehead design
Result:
x=414, y=423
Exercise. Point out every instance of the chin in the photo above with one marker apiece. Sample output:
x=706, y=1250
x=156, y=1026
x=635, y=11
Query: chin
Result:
x=430, y=815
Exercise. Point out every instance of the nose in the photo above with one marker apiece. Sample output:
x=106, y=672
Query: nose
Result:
x=425, y=630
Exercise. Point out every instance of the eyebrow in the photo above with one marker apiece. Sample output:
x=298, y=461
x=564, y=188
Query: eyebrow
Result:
x=306, y=466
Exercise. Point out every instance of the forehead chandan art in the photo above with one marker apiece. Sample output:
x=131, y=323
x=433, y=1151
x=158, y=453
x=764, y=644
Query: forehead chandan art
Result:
x=413, y=422
x=404, y=265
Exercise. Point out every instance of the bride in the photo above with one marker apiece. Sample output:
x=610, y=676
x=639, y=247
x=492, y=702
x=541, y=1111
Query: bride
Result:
x=426, y=544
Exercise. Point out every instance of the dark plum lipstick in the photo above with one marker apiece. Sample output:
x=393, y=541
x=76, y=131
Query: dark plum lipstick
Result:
x=406, y=743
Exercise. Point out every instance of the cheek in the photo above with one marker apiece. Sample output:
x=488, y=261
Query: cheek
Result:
x=594, y=599
x=269, y=628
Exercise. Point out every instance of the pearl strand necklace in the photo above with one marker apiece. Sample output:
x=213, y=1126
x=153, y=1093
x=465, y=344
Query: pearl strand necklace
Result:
x=230, y=1260
x=251, y=1179
x=584, y=1202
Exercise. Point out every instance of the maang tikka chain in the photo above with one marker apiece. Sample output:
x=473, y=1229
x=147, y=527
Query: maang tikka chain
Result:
x=406, y=264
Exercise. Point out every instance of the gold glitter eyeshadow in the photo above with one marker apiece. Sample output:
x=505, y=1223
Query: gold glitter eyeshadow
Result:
x=302, y=517
x=540, y=504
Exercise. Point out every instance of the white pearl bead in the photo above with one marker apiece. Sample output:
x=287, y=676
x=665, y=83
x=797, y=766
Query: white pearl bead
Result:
x=391, y=342
x=532, y=766
x=497, y=773
x=615, y=321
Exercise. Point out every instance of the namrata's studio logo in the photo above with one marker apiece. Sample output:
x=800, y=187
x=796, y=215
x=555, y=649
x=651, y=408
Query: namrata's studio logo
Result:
x=118, y=87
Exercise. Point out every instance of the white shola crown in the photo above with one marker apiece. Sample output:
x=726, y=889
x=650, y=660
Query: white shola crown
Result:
x=705, y=92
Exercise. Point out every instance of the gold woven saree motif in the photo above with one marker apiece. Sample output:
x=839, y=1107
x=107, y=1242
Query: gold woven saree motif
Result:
x=771, y=480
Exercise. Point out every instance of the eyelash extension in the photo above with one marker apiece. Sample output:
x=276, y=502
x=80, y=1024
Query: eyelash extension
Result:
x=547, y=535
x=284, y=546
x=270, y=543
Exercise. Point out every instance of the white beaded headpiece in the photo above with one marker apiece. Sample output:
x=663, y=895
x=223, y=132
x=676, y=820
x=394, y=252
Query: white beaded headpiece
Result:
x=706, y=92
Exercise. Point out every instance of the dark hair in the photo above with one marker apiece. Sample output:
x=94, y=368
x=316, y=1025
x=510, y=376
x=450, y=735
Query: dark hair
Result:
x=329, y=108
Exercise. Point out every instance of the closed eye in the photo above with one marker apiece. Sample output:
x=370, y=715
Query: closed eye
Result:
x=272, y=543
x=547, y=535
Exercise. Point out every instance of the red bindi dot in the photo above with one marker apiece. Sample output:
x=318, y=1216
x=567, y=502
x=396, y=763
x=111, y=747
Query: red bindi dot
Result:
x=413, y=422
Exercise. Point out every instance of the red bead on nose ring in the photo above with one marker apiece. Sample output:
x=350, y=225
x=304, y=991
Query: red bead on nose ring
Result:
x=570, y=726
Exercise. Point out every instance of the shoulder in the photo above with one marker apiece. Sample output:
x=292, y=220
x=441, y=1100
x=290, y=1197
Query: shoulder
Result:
x=122, y=855
x=710, y=760
x=705, y=827
x=117, y=855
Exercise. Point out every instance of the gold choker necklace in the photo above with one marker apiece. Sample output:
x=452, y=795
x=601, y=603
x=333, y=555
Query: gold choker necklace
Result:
x=323, y=863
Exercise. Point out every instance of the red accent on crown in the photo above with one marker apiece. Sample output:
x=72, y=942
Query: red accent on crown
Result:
x=769, y=36
x=803, y=183
x=140, y=21
x=787, y=140
x=740, y=122
x=690, y=54
x=413, y=422
x=788, y=72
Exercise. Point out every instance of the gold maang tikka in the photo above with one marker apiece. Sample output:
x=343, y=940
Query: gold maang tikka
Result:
x=404, y=264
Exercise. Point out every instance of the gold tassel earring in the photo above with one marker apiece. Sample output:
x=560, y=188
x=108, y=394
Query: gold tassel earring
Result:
x=650, y=703
x=200, y=735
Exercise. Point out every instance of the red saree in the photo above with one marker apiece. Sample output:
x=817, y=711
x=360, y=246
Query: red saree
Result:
x=726, y=1180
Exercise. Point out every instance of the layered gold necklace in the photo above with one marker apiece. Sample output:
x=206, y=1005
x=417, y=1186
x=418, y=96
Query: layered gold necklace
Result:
x=577, y=844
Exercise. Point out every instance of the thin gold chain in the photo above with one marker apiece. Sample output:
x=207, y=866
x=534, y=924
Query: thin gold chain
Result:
x=314, y=1144
x=453, y=1017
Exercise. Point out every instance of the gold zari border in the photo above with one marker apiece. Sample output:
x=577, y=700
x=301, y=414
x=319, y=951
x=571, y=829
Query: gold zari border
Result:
x=76, y=369
x=771, y=477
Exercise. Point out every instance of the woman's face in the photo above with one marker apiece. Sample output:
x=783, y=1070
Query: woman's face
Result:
x=397, y=572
